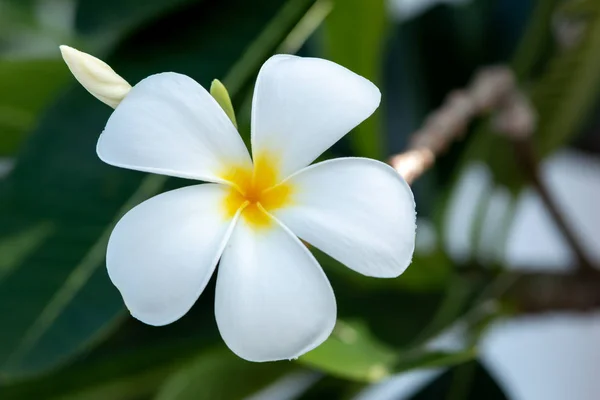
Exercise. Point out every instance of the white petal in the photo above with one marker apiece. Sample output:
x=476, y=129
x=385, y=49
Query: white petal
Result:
x=162, y=253
x=302, y=106
x=357, y=210
x=273, y=301
x=168, y=124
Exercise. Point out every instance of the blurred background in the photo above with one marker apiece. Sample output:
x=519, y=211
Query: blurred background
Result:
x=496, y=304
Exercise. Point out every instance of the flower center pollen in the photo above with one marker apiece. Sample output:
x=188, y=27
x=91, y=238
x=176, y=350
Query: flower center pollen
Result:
x=257, y=190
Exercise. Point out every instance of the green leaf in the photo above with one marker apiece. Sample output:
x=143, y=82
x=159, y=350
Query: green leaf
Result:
x=428, y=271
x=58, y=299
x=355, y=33
x=136, y=370
x=220, y=374
x=536, y=40
x=26, y=87
x=352, y=352
x=119, y=386
x=566, y=93
x=220, y=94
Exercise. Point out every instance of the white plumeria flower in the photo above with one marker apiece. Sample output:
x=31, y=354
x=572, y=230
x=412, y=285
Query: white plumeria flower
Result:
x=273, y=300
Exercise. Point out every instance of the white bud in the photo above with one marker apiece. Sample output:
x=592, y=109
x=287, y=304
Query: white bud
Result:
x=96, y=76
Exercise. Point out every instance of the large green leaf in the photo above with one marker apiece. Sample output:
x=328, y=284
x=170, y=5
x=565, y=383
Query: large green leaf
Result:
x=57, y=298
x=26, y=86
x=220, y=375
x=132, y=362
x=116, y=377
x=355, y=37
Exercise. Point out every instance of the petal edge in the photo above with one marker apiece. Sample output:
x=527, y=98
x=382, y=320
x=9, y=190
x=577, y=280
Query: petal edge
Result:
x=302, y=106
x=162, y=253
x=168, y=124
x=357, y=210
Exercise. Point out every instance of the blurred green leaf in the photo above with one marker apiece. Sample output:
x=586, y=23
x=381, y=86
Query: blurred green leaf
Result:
x=355, y=33
x=15, y=16
x=456, y=302
x=59, y=300
x=352, y=352
x=122, y=386
x=566, y=93
x=26, y=87
x=427, y=272
x=221, y=375
x=131, y=363
x=536, y=41
x=131, y=373
x=15, y=248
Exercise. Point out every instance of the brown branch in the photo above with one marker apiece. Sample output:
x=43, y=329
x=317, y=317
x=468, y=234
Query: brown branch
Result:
x=526, y=157
x=489, y=90
x=494, y=90
x=532, y=292
x=545, y=292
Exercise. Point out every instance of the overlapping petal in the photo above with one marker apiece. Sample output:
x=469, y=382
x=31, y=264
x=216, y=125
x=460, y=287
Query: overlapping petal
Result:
x=357, y=210
x=168, y=124
x=302, y=106
x=273, y=300
x=162, y=253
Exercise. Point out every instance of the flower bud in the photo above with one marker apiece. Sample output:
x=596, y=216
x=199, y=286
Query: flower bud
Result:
x=219, y=92
x=96, y=76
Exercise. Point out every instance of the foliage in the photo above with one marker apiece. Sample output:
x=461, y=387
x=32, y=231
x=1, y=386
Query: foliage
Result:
x=359, y=27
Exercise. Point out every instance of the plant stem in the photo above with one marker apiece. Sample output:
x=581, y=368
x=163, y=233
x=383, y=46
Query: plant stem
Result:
x=527, y=159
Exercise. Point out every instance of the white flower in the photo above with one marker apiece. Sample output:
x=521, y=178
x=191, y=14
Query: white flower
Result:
x=273, y=300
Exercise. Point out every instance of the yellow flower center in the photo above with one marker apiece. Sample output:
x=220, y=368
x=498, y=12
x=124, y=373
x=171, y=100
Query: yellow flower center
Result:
x=257, y=190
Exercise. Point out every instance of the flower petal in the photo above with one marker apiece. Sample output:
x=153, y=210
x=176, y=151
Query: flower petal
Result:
x=273, y=301
x=168, y=124
x=162, y=253
x=357, y=210
x=302, y=106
